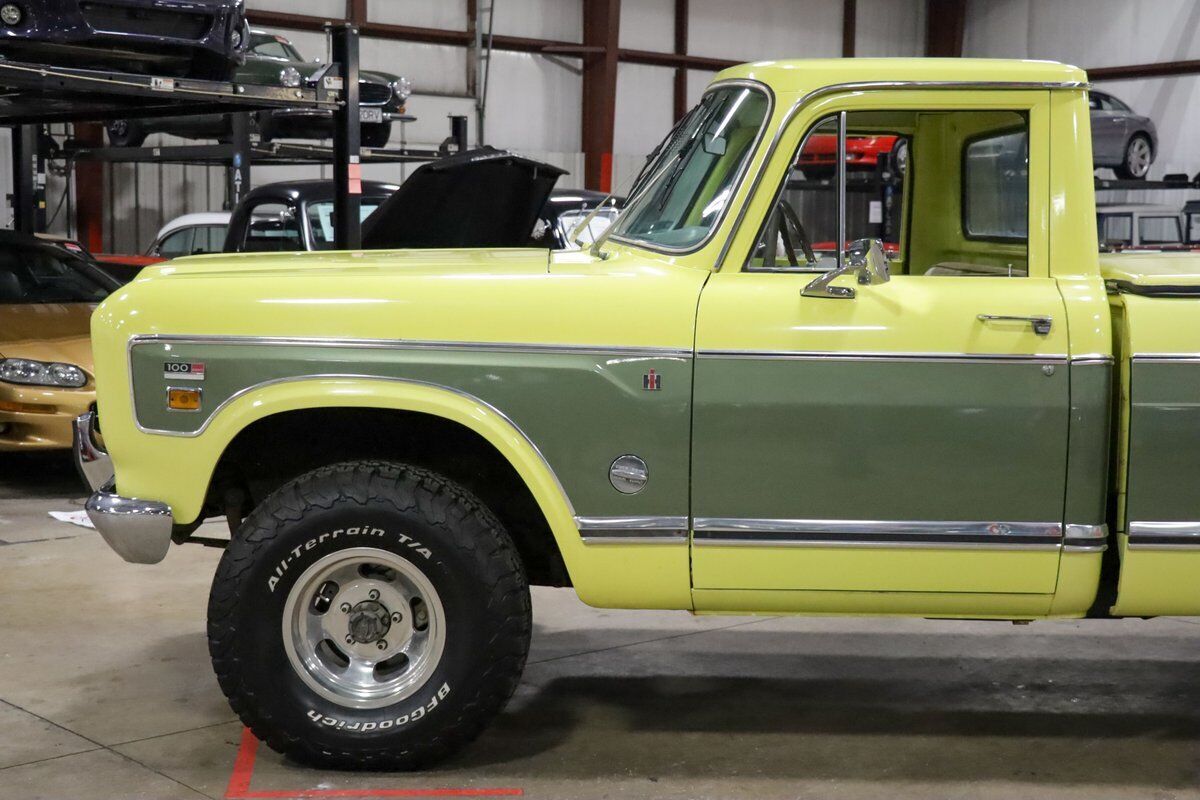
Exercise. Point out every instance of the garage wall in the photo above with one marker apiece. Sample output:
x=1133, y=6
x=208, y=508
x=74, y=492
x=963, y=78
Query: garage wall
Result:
x=1133, y=32
x=534, y=103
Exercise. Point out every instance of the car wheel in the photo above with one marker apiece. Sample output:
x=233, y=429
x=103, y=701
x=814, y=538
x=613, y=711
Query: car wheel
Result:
x=900, y=157
x=369, y=614
x=1138, y=158
x=126, y=133
x=376, y=135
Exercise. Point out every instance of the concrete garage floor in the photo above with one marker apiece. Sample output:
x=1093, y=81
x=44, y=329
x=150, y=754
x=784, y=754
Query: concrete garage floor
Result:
x=106, y=692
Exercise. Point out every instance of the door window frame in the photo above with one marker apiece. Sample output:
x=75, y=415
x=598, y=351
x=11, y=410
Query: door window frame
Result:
x=1032, y=101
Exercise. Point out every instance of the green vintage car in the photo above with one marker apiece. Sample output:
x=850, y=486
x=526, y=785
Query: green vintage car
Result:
x=716, y=408
x=273, y=59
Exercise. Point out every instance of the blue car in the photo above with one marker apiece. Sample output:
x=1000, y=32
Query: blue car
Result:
x=203, y=39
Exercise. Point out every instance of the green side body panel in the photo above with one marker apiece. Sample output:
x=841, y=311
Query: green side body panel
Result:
x=1089, y=444
x=1164, y=432
x=880, y=440
x=581, y=410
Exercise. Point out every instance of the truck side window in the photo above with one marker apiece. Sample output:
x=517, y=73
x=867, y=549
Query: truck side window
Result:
x=947, y=193
x=996, y=186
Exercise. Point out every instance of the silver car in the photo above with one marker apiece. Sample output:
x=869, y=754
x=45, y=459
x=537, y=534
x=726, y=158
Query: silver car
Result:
x=1121, y=139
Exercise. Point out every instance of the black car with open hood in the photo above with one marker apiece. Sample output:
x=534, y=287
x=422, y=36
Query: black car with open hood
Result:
x=479, y=198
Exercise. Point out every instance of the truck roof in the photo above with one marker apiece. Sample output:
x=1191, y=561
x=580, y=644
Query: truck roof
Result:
x=805, y=75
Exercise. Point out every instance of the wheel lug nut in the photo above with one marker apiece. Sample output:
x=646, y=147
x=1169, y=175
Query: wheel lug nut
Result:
x=345, y=608
x=349, y=639
x=396, y=616
x=373, y=594
x=382, y=644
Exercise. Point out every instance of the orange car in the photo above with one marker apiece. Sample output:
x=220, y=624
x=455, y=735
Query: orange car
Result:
x=819, y=155
x=47, y=294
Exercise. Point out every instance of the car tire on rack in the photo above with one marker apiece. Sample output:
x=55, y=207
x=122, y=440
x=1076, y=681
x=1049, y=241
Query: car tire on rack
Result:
x=376, y=134
x=125, y=133
x=1139, y=155
x=369, y=614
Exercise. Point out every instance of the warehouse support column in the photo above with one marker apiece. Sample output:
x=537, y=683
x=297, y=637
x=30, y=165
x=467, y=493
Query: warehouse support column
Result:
x=347, y=169
x=237, y=174
x=29, y=181
x=601, y=29
x=681, y=45
x=89, y=189
x=945, y=21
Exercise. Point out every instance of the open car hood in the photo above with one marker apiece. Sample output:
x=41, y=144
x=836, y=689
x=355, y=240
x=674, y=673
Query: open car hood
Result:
x=477, y=198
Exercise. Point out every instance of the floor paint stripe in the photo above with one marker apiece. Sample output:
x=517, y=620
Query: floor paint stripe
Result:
x=243, y=772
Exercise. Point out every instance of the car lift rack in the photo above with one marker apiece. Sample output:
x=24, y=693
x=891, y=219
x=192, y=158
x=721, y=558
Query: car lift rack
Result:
x=32, y=95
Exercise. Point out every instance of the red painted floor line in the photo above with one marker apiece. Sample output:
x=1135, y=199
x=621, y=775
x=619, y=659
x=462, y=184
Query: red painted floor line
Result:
x=243, y=771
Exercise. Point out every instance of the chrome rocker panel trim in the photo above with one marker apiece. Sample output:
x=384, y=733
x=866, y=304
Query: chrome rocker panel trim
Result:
x=632, y=530
x=91, y=460
x=1147, y=535
x=138, y=530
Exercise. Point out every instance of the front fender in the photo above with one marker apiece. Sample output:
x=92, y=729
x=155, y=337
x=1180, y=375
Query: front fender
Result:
x=176, y=470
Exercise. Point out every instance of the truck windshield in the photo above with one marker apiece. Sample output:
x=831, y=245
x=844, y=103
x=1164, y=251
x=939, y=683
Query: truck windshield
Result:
x=684, y=190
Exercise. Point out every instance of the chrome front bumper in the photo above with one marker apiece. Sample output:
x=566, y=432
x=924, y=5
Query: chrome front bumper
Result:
x=139, y=530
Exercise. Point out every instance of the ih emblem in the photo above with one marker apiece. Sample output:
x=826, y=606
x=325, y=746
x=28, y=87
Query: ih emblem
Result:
x=193, y=371
x=652, y=381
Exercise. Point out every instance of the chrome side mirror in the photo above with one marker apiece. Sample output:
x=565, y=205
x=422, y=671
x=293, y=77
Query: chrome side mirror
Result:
x=865, y=258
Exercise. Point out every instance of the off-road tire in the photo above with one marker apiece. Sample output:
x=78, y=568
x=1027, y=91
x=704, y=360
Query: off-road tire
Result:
x=471, y=562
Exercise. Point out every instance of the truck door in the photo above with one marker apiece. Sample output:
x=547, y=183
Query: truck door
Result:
x=906, y=435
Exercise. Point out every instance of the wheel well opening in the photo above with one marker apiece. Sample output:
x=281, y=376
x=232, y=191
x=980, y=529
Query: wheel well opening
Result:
x=273, y=450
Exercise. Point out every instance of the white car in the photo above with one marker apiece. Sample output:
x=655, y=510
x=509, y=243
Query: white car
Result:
x=190, y=234
x=1138, y=225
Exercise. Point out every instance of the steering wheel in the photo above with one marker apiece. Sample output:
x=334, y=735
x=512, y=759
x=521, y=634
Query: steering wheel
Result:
x=793, y=227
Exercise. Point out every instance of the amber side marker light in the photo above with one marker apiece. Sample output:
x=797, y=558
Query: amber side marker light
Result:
x=183, y=399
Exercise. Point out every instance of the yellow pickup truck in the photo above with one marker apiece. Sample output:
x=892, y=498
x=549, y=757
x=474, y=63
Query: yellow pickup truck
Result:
x=742, y=399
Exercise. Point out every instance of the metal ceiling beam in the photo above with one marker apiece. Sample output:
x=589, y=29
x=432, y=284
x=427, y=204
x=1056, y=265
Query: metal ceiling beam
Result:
x=1162, y=69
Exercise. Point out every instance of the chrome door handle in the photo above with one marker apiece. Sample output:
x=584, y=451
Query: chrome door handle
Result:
x=1041, y=324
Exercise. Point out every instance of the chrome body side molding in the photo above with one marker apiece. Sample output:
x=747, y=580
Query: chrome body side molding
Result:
x=633, y=530
x=1079, y=538
x=741, y=532
x=1164, y=535
x=835, y=355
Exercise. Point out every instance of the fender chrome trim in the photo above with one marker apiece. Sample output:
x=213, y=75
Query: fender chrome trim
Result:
x=523, y=348
x=632, y=530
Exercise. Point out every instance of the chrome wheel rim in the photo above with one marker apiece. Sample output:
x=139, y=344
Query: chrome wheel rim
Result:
x=1137, y=159
x=364, y=628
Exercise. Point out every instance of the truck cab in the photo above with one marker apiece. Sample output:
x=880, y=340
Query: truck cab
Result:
x=737, y=400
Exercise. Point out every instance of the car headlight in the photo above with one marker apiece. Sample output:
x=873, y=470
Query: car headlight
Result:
x=402, y=88
x=290, y=77
x=41, y=373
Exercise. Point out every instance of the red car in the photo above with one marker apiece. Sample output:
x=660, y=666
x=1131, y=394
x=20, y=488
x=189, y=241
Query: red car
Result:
x=862, y=152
